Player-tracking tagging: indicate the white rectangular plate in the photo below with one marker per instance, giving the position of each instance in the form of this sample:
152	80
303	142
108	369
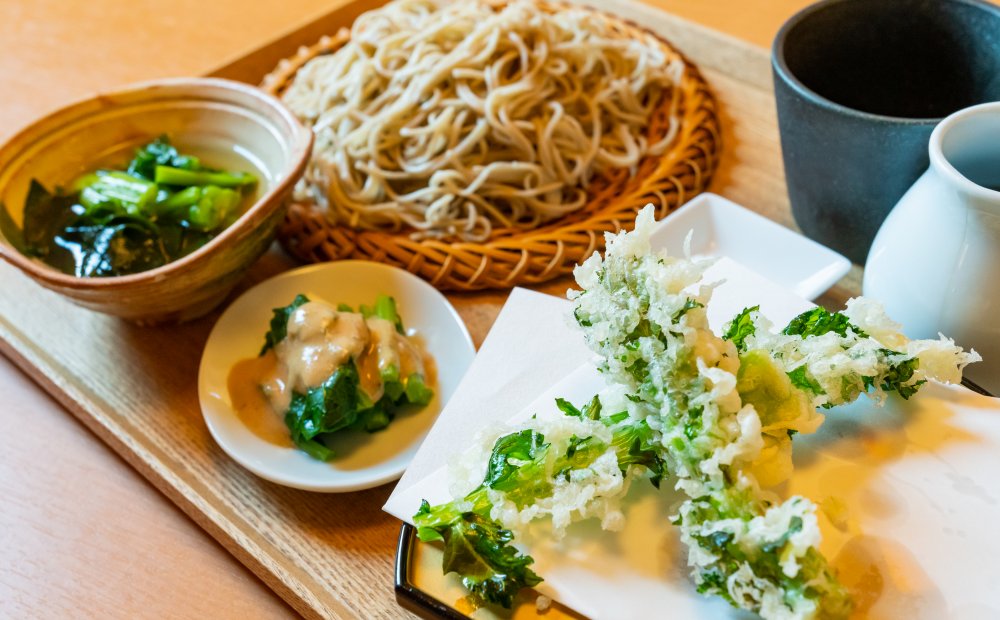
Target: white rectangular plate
721	227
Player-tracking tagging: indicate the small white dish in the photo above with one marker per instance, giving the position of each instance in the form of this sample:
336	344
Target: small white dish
372	459
723	228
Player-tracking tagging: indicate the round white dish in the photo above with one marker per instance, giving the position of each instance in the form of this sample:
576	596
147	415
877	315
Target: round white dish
364	460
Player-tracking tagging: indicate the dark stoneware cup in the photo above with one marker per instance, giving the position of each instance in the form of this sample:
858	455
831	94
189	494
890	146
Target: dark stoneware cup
860	84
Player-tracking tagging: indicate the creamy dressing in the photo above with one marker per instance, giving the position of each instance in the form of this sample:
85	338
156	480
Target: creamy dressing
256	392
319	339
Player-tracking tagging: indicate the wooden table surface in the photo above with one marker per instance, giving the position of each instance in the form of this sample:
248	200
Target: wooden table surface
82	534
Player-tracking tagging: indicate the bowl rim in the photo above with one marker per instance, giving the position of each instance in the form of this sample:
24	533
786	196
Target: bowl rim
943	164
300	139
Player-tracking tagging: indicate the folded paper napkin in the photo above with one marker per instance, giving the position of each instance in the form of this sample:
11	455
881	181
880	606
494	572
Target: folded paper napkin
901	489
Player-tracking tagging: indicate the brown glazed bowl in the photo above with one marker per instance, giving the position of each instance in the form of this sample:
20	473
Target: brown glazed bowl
228	115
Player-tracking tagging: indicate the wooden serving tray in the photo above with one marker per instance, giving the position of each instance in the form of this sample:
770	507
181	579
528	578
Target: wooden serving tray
327	555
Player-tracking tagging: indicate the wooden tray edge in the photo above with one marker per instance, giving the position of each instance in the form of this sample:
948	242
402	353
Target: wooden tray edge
261	562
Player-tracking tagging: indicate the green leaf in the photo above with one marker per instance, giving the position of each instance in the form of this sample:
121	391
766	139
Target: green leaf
109	222
177	205
11	232
428	534
713	581
575	443
424	510
804	381
509	452
315	449
394	390
479	550
168	175
567	407
127	193
279	323
45	215
122	246
717	541
741	328
179	240
615	418
97	242
159	153
794	525
214	206
590	411
689	304
635	445
325	409
899	374
819	321
374	418
519	467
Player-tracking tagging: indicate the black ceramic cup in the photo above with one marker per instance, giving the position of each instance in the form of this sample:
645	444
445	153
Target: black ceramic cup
859	85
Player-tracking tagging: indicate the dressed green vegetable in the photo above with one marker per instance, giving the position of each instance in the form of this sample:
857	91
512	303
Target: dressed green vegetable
715	416
330	369
113	222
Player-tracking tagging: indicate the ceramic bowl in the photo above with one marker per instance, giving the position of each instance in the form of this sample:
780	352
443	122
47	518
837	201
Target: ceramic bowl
229	115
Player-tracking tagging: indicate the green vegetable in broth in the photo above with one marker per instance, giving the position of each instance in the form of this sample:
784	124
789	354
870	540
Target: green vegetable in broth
159	153
113	222
166	175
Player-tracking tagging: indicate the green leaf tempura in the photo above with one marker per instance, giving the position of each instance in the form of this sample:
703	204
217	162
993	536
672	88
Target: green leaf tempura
478	549
698	409
819	321
741	328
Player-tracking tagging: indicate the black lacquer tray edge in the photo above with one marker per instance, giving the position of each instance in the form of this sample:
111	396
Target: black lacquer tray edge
408	595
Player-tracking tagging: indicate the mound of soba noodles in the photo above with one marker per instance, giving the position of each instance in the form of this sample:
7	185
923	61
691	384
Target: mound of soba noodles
452	118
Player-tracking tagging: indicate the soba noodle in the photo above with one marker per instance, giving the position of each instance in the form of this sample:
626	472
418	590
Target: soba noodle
454	118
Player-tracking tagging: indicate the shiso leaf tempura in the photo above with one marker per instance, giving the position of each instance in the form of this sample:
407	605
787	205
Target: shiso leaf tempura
713	416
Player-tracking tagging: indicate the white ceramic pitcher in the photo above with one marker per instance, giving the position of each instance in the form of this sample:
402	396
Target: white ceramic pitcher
935	262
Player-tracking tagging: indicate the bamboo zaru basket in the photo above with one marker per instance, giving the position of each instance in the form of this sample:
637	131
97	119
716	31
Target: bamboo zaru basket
512	257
